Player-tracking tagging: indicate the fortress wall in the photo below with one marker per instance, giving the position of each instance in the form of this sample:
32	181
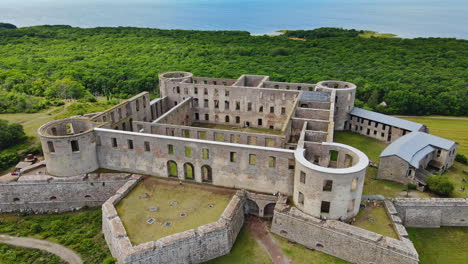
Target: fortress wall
432	212
289	86
217	107
231	136
266	175
48	194
213	81
158	106
180	114
192	246
344	241
311	113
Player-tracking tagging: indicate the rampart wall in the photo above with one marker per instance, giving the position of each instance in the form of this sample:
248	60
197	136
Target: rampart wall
432	212
180	114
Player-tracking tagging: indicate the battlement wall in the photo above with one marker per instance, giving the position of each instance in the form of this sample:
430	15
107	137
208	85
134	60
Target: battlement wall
432	212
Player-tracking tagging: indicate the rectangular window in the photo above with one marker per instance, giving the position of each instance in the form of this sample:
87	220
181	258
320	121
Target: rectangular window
205	103
283	110
188	152
325	207
205	153
327	185
207	117
197	116
291	164
252	159
114	142
195	90
170	149
202	135
219	136
235	138
354	185
226	93
186	133
237	119
205	91
260	122
74	146
216	103
439	152
272	109
50	145
249	106
252	140
233	157
271	162
351	205
260	109
226	105
147	146
302	177
300	198
130	144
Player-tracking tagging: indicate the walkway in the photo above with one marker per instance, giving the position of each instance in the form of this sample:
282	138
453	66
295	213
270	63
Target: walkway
261	234
56	249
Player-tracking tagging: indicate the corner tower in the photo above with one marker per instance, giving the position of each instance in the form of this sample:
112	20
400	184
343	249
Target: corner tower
345	93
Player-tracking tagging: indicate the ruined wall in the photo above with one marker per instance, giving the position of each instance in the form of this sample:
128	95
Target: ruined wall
255	168
432	212
180	114
192	246
344	241
158	107
44	194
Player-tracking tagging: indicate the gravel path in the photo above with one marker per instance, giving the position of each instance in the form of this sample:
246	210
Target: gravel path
56	249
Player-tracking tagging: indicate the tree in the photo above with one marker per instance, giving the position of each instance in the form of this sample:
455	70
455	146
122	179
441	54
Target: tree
440	185
10	134
7	25
462	159
66	89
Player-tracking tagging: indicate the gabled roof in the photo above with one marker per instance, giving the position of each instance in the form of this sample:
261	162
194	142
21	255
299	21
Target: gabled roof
415	145
386	119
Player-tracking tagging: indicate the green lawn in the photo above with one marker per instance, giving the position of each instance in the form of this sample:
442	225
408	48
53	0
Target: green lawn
371	147
382	224
134	211
79	231
298	254
455	175
17	255
245	251
445	245
454	129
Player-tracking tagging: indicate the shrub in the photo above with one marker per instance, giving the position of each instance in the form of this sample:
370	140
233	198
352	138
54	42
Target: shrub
440	185
109	260
280	52
411	186
10	134
8	158
462	159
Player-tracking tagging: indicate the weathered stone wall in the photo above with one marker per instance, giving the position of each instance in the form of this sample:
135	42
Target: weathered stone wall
158	107
180	114
432	212
395	169
239	166
44	194
192	246
344	241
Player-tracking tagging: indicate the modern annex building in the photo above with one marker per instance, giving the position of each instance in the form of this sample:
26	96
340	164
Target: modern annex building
192	133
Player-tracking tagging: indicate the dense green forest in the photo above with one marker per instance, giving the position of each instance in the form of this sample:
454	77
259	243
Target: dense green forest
413	76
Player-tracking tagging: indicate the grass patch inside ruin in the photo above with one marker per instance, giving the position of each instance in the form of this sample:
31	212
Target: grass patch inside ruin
299	254
445	245
185	207
240	129
375	219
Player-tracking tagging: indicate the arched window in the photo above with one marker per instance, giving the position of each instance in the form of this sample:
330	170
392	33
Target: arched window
172	169
207	174
189	173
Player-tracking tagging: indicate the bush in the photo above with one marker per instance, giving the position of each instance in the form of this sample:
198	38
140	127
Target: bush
411	186
10	134
8	158
35	150
7	25
280	52
109	260
440	185
462	159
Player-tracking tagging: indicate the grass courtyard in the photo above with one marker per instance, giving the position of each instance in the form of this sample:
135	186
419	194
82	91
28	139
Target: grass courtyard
375	219
184	206
445	245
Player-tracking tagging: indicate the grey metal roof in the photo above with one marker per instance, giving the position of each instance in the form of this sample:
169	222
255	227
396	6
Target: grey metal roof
415	145
315	96
386	119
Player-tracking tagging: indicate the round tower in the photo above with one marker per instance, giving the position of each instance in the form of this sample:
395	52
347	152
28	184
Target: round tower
69	146
345	93
329	179
168	81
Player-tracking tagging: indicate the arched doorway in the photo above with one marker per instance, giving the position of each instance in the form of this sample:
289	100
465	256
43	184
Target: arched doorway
172	169
252	208
189	173
268	211
206	174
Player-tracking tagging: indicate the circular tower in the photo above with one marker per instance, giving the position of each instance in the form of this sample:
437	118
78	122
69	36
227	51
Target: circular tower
329	179
345	93
168	80
69	146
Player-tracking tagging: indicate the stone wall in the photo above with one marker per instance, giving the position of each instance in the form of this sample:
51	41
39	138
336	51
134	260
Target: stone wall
192	246
344	241
180	114
432	212
46	194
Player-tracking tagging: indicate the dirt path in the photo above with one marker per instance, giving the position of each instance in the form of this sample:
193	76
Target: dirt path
56	249
261	234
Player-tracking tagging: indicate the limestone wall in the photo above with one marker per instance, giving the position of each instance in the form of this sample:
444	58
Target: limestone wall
180	114
432	212
158	106
44	194
344	241
192	246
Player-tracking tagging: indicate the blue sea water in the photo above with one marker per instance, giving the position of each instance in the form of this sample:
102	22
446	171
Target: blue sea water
406	18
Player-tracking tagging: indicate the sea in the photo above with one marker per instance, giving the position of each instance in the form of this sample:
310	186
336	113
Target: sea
405	18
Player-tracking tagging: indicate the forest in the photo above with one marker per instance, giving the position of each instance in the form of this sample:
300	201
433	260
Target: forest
41	65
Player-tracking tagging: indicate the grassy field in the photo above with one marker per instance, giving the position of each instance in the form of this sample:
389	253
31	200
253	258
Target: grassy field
370	33
447	245
382	224
79	231
135	211
372	148
455	175
245	251
241	129
454	129
17	255
298	254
